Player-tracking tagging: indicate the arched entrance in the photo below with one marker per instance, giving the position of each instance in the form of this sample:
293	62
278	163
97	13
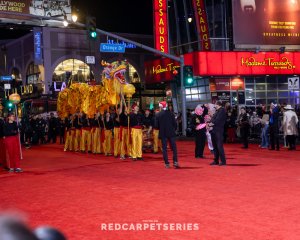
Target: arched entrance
72	70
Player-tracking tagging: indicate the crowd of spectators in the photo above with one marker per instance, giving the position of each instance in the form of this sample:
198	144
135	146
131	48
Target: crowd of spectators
256	125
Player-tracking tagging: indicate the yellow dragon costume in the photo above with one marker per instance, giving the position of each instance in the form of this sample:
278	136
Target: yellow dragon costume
81	97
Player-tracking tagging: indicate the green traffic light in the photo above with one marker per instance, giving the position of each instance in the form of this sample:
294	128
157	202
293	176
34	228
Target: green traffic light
9	104
190	80
93	34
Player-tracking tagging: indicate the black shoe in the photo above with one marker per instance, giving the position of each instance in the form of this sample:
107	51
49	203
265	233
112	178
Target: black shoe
176	166
139	158
271	148
244	147
214	163
167	165
222	164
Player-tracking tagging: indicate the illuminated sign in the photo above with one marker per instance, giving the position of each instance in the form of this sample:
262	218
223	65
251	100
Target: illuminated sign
160	70
53	8
14	6
6	78
115	48
243	63
201	22
266	22
170	67
126	45
38	53
284	63
59	86
161	25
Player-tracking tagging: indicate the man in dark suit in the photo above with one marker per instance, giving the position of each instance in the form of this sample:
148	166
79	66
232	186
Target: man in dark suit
217	123
167	126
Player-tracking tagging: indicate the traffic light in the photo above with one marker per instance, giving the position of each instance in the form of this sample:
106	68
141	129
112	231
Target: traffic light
188	76
176	76
8	105
91	27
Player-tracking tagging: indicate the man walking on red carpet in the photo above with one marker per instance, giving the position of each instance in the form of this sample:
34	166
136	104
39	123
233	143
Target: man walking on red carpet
167	132
217	123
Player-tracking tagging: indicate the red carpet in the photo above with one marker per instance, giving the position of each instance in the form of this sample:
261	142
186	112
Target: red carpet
255	197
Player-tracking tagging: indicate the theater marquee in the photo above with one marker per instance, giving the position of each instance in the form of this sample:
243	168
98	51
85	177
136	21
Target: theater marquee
161	25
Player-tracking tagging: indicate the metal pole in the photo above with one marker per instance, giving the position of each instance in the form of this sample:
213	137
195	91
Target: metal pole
183	98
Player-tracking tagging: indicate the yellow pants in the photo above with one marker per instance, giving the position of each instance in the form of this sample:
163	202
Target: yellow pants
107	142
125	146
96	144
137	143
156	141
68	145
86	140
76	140
117	142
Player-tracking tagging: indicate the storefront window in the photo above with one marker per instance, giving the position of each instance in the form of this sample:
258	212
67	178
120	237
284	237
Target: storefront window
260	87
73	70
199	93
272	87
33	74
283	94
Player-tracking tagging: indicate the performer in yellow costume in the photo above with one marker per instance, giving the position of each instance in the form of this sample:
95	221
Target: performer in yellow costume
136	124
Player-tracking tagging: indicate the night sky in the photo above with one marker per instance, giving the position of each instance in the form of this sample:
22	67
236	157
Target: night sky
120	16
134	16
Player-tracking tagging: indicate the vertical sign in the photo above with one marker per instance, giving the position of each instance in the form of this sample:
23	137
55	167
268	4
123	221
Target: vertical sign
161	25
38	53
202	25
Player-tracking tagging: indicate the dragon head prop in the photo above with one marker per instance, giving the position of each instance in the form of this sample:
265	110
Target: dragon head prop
115	71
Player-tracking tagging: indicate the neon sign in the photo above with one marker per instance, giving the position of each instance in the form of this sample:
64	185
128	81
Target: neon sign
168	68
126	45
268	62
161	25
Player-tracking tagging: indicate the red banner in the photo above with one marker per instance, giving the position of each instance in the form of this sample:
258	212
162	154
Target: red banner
161	25
243	63
202	25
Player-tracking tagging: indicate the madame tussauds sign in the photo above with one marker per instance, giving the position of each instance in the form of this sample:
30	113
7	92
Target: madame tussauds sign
283	63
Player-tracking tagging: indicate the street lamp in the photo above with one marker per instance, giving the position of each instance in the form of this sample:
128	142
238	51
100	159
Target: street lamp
74	17
65	22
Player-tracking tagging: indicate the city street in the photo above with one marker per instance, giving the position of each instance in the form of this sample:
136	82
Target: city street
254	197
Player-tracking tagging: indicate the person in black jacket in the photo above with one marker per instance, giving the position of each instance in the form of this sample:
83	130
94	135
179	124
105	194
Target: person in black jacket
2	145
12	144
274	126
199	131
52	129
244	125
167	132
217	123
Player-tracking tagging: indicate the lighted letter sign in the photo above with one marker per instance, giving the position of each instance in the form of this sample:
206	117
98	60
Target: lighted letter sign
161	25
38	54
201	22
